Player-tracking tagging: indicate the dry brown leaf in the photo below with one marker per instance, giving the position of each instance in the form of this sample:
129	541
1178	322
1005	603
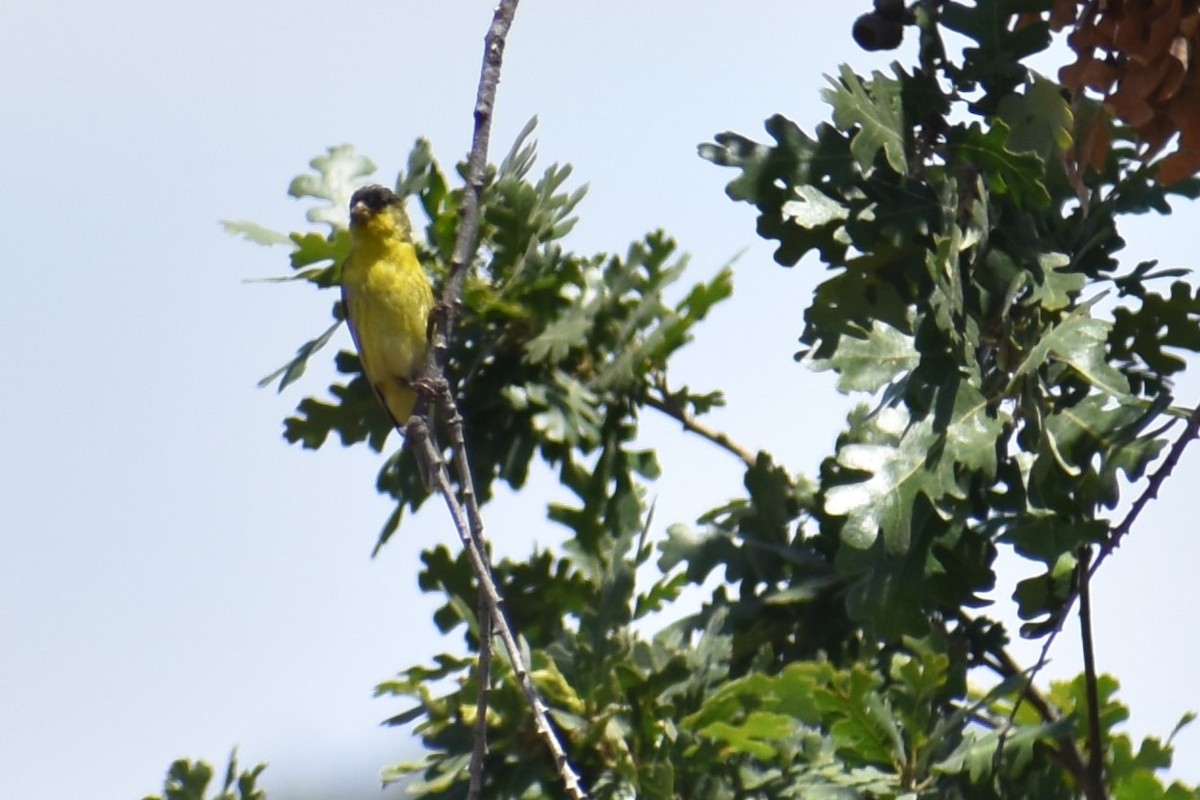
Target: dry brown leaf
1130	105
1129	37
1155	135
1189	23
1137	54
1144	81
1090	73
1063	14
1179	165
1096	142
1164	26
1175	71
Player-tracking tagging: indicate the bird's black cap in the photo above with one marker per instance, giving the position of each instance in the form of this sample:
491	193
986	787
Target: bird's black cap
374	198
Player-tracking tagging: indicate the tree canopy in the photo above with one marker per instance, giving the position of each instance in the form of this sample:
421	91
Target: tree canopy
1015	380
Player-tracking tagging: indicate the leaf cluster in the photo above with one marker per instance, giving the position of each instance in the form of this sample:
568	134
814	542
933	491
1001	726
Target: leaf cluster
1138	57
187	780
965	281
1014	379
555	349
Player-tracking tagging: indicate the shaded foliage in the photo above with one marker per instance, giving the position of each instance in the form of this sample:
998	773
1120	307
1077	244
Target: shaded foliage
843	637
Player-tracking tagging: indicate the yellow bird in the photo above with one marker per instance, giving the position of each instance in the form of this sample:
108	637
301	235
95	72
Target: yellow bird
387	298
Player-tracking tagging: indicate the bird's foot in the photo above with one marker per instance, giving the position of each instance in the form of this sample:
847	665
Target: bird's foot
430	387
441	312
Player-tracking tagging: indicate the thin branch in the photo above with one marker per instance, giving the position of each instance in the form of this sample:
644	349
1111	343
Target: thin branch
1190	432
1149	493
491	615
673	409
464	248
486	615
468	210
465	513
1095	764
1006	667
483	670
422	441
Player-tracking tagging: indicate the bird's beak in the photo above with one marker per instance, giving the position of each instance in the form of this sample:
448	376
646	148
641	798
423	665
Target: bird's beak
359	213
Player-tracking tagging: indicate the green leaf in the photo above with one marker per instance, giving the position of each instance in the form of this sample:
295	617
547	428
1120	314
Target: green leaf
294	369
704	296
189	781
1020	175
659	596
1185	720
996	63
253	232
1091	442
876	111
312	248
911	458
1047	538
812	208
791	693
861	722
1039	119
702	550
976	755
1071	696
760	735
356	415
564	412
574	327
338	173
867	364
771	175
850	304
1147	337
657	780
1081	342
1058	286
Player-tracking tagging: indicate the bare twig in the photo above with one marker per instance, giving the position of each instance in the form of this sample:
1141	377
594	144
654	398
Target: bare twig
1190	432
465	512
468	210
483	670
1006	667
1095	764
486	613
664	403
1066	752
1124	526
422	441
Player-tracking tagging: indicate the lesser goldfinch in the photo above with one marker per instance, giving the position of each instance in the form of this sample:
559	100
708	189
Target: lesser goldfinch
387	298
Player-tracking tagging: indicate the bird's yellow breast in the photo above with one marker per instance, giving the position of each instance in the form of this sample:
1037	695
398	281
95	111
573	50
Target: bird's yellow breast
388	299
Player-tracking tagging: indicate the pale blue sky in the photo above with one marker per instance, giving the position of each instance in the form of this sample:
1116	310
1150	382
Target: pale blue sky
174	578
